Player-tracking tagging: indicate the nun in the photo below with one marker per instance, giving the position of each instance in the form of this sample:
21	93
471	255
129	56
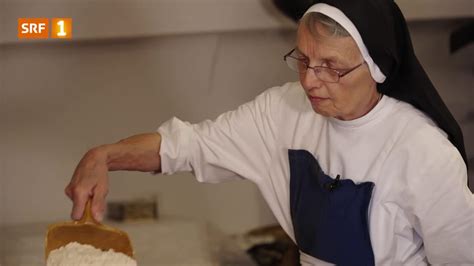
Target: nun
360	160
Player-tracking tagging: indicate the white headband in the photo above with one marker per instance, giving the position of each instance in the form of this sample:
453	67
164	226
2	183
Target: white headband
345	22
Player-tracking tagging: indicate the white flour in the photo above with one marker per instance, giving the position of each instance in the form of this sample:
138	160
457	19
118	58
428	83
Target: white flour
75	254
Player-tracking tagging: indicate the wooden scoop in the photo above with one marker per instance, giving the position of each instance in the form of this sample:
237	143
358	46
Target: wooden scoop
87	231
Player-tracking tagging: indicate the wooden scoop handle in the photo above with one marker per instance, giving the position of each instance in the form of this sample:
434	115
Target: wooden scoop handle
87	217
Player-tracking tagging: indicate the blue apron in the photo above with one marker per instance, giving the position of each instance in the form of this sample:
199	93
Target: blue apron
330	216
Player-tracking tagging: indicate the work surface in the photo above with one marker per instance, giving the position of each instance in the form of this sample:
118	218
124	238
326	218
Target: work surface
164	242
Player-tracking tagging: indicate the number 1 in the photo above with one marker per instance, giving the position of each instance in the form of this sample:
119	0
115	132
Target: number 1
61	32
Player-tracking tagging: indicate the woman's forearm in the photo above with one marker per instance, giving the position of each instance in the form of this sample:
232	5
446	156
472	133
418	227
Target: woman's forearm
135	153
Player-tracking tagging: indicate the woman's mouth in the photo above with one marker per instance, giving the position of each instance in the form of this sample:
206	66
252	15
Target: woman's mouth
316	100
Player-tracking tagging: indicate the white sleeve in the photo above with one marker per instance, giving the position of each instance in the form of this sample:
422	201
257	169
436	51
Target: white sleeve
237	144
443	207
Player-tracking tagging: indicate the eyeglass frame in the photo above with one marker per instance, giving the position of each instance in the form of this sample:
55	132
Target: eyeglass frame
340	72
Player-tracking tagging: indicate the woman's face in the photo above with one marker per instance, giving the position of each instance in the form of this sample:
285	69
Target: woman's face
355	94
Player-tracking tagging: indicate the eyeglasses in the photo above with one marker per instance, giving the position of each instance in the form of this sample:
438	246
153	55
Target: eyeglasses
325	74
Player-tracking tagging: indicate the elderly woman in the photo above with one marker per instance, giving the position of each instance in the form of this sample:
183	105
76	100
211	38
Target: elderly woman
360	161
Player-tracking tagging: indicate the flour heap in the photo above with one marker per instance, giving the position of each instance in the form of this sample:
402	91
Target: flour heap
75	254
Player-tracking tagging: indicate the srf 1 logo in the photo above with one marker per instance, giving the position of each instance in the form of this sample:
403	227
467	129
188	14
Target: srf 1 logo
39	28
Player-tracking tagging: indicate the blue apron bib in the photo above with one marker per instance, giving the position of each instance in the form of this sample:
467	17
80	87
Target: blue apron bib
330	216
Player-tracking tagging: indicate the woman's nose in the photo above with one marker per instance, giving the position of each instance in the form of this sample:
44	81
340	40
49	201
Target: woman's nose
309	79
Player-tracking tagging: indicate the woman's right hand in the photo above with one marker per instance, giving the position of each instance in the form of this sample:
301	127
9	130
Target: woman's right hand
90	180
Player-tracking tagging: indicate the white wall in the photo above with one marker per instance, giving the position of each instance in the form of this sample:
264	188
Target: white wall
58	100
61	99
139	18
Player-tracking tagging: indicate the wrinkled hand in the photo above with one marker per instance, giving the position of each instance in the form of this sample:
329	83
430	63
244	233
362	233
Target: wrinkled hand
90	180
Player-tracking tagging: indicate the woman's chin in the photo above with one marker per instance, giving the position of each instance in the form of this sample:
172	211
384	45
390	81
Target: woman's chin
322	111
